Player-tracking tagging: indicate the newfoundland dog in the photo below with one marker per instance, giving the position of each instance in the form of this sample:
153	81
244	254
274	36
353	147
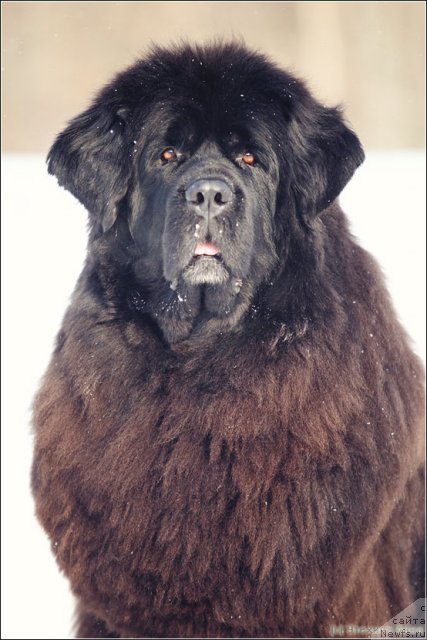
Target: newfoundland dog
229	435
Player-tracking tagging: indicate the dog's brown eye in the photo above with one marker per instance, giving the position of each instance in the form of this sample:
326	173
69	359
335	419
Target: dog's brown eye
248	157
169	154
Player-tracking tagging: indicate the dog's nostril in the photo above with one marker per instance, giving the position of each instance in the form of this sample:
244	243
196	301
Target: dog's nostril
218	198
200	198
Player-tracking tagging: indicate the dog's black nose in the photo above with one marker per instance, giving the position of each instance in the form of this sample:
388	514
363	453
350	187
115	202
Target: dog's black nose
209	195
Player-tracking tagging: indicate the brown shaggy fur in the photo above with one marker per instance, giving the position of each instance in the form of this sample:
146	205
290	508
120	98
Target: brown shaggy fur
261	482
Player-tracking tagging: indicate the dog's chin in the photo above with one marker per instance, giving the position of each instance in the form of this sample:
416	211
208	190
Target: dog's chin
206	270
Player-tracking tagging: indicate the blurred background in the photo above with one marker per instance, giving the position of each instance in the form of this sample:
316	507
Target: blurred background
366	56
369	56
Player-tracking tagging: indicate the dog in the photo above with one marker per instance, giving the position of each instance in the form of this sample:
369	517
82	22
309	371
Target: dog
228	439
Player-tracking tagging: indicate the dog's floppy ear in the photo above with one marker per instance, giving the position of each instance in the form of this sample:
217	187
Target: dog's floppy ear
323	152
91	159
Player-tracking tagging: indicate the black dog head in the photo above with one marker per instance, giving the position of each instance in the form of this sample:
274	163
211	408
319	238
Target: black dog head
203	153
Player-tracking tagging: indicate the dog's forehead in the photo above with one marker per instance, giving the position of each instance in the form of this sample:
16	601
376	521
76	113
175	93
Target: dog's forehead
192	126
187	116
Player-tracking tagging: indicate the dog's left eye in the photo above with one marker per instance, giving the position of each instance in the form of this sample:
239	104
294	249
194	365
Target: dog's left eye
248	158
169	154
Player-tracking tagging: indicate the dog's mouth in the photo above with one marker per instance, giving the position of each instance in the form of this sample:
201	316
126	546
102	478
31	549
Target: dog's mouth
206	266
206	249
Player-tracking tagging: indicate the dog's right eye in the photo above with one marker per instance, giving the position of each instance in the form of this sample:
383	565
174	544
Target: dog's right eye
248	158
168	154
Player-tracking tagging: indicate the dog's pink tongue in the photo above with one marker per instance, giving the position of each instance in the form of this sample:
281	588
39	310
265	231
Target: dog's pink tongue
206	249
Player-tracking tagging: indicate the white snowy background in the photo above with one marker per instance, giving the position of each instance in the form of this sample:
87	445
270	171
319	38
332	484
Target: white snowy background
43	242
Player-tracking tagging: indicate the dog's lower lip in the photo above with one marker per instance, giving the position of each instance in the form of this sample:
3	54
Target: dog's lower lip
205	256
